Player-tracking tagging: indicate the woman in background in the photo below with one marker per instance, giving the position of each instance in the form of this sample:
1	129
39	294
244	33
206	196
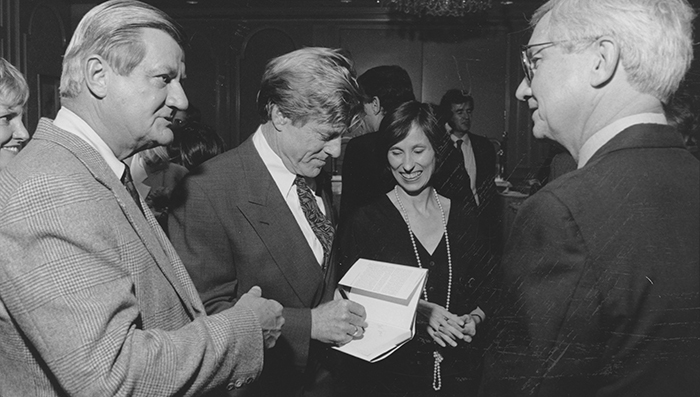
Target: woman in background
413	225
194	144
155	178
13	97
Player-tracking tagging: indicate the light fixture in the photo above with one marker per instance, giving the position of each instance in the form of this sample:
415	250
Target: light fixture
440	8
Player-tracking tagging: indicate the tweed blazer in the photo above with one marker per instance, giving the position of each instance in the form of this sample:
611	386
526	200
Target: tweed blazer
603	271
233	230
94	301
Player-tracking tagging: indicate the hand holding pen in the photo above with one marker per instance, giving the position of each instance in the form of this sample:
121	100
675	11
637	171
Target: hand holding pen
359	330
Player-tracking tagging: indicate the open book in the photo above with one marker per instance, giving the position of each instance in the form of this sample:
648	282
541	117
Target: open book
390	294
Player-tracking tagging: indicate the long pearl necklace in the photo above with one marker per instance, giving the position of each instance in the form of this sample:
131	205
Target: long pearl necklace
437	378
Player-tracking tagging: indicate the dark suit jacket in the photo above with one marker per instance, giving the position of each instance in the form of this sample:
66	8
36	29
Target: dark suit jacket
452	180
365	174
94	301
603	272
233	230
485	157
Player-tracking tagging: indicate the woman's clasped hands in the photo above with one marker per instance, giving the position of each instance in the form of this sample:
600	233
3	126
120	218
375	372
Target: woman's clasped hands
444	327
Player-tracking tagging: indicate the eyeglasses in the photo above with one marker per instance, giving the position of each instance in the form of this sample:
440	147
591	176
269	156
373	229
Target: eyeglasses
526	54
526	57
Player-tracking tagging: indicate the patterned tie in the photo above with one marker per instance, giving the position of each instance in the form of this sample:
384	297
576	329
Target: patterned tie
322	227
129	185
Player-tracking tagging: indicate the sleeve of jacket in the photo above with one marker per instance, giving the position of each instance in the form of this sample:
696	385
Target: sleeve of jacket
67	280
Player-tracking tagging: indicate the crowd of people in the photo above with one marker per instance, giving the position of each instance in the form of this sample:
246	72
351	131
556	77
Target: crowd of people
140	257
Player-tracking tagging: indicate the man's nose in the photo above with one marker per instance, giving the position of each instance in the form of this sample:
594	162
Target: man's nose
524	91
176	97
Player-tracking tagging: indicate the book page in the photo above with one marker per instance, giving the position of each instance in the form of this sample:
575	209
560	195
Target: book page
383	310
392	280
377	339
389	293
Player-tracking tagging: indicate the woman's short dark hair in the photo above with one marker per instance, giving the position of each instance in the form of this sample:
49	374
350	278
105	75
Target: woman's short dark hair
396	125
196	143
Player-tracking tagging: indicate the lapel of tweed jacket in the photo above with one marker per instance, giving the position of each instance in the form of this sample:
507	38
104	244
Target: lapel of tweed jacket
193	302
146	228
270	216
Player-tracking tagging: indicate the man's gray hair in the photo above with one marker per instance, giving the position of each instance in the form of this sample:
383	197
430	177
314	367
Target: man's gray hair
113	31
655	37
311	84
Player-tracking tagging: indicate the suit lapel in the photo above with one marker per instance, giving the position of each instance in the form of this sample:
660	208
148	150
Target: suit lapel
269	215
478	150
324	184
146	228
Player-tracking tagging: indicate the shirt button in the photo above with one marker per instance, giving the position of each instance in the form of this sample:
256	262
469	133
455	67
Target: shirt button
239	383
230	386
248	381
432	264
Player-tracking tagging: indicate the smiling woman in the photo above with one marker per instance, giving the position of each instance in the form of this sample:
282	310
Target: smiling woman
13	96
416	226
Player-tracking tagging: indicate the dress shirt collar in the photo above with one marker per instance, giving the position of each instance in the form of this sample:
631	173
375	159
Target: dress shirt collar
280	174
600	138
465	138
71	122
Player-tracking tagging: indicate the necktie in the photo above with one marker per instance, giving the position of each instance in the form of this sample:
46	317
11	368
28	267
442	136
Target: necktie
129	185
459	143
469	164
322	227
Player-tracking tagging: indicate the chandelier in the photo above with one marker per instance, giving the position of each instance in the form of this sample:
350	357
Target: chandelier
440	8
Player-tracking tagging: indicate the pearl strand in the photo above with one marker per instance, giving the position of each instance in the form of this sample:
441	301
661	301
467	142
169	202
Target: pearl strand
437	378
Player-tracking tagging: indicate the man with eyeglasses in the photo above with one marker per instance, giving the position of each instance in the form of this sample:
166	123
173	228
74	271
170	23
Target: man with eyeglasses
602	269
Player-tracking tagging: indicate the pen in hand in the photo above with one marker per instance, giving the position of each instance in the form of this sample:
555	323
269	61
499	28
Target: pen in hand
357	333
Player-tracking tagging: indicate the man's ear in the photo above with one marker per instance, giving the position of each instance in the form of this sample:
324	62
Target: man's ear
376	106
96	71
607	58
278	119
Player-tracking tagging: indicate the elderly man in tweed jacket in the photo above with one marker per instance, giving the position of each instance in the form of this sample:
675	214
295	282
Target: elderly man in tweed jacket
94	301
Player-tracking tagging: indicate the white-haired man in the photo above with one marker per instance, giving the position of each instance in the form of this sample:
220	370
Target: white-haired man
602	267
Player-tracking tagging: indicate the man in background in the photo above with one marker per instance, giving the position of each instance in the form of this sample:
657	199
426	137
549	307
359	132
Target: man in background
257	215
473	155
364	173
478	155
602	268
94	301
